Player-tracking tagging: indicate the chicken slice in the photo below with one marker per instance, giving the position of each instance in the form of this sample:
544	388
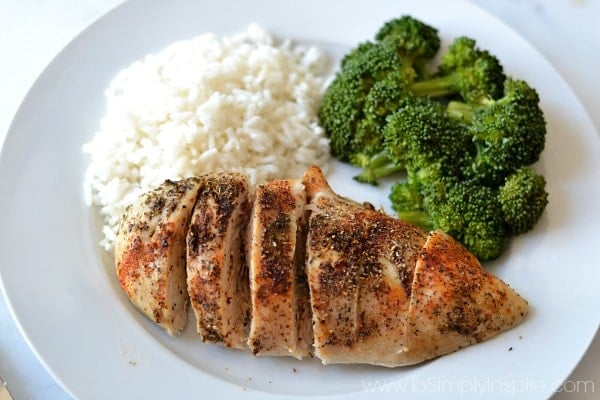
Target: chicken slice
386	293
455	302
279	292
217	275
150	252
359	267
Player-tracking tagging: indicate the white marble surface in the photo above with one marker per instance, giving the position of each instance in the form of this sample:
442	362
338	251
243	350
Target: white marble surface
32	32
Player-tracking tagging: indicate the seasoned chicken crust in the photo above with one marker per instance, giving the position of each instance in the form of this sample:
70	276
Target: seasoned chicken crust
280	311
217	275
150	252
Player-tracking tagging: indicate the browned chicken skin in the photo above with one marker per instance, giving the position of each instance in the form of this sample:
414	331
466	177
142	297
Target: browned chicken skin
311	267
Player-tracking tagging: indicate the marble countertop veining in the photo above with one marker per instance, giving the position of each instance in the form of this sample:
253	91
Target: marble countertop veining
32	32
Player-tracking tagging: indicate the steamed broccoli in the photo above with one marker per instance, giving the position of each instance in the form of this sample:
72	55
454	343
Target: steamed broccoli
342	105
416	42
523	198
420	133
464	137
382	99
371	79
508	133
481	217
417	134
468	212
357	53
466	71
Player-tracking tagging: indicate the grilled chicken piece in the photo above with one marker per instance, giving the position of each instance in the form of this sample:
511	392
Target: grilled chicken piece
150	252
217	275
455	302
386	293
359	267
279	292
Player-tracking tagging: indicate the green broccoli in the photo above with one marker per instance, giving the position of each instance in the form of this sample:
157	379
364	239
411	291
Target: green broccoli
342	105
416	42
466	71
464	137
371	80
417	134
382	99
523	198
480	217
508	133
468	212
357	53
483	231
421	132
423	186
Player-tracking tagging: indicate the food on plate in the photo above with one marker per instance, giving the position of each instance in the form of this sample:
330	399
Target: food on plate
150	255
385	292
279	291
402	50
216	269
459	131
380	291
246	103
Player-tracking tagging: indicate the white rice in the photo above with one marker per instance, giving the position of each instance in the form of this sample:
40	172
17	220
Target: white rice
243	103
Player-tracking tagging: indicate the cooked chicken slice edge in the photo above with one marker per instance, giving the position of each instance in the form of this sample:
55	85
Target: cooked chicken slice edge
280	323
150	252
455	302
217	275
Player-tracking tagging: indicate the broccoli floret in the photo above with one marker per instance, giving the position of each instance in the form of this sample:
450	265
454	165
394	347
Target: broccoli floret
468	212
416	42
417	134
423	186
407	201
508	133
382	100
483	231
342	105
523	198
462	52
466	71
371	81
385	97
357	53
420	133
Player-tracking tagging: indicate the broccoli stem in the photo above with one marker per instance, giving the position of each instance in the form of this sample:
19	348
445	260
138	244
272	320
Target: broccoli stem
378	167
460	111
434	87
416	217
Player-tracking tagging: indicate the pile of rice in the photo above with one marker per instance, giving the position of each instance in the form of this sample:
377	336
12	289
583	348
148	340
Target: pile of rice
245	103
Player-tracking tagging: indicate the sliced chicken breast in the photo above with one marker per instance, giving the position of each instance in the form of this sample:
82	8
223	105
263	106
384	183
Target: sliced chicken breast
386	293
310	267
279	293
150	252
217	275
455	302
359	267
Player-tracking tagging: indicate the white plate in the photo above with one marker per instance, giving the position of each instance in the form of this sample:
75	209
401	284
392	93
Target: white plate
60	285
